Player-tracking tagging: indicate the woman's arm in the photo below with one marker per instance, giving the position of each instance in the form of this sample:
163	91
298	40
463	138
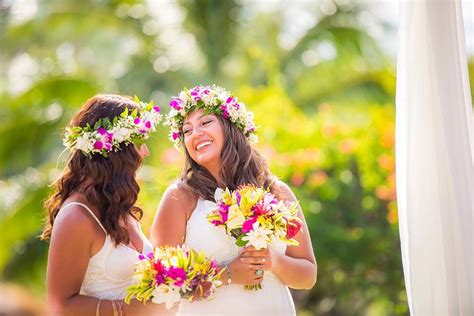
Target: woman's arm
169	224
75	237
72	239
297	268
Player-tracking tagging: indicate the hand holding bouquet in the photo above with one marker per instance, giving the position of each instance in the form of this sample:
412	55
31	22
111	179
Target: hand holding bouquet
170	274
255	217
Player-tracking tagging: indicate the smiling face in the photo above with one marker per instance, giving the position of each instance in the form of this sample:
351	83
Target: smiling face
204	139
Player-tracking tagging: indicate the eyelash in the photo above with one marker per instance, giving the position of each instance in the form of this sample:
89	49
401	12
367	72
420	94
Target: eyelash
204	123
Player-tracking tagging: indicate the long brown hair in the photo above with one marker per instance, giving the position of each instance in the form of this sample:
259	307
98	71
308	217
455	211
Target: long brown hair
108	183
240	164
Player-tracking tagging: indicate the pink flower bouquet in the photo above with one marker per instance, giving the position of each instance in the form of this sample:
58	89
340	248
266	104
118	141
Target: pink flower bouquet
255	217
170	274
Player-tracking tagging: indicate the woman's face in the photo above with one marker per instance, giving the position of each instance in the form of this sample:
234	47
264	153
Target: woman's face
203	138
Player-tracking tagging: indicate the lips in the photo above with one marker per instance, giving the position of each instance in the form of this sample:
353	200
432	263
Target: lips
203	144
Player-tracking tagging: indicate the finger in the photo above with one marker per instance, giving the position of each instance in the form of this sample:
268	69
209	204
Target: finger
255	267
249	248
255	253
254	260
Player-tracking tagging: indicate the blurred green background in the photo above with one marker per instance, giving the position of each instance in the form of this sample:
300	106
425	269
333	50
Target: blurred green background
319	75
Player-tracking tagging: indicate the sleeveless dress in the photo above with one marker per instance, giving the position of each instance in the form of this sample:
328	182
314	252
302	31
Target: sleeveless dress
273	299
110	271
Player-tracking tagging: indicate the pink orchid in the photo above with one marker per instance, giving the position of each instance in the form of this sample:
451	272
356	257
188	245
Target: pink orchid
176	104
98	145
248	224
176	135
225	113
177	274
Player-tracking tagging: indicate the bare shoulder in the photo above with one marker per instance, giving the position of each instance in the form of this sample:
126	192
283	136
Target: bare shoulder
75	220
169	224
176	196
282	190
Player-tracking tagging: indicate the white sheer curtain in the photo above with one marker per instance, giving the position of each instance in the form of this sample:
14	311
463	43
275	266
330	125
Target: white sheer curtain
434	149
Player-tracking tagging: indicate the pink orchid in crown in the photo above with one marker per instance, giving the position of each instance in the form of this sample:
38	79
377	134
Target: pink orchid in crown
104	139
176	104
176	135
213	99
107	135
143	125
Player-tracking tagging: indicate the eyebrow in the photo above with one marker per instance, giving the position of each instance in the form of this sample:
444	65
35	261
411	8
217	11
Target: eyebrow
201	116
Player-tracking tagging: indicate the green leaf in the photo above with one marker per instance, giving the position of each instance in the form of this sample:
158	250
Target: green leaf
240	242
124	113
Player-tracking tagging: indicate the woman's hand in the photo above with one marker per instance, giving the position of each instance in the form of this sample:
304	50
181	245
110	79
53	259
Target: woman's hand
263	259
243	272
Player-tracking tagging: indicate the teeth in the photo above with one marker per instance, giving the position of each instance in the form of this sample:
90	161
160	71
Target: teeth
204	144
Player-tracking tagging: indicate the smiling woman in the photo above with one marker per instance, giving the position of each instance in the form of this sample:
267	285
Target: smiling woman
203	138
216	131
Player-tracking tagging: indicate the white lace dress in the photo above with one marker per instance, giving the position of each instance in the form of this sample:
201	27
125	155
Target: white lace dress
273	299
110	271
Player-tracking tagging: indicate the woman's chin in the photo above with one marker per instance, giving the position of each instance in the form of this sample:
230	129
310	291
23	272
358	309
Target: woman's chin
206	159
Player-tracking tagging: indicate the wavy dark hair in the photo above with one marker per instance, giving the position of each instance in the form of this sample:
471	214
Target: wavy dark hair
107	183
241	164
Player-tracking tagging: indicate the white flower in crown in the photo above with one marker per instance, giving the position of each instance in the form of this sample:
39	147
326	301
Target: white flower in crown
213	99
108	135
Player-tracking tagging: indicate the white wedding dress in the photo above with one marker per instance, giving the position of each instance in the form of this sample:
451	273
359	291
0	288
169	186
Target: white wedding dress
273	299
110	271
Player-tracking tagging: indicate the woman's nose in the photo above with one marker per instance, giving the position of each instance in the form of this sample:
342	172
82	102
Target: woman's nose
144	150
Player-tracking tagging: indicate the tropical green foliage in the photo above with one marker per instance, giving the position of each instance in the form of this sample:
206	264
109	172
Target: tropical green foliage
323	102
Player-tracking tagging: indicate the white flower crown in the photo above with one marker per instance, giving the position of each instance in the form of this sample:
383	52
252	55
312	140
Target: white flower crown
107	135
213	99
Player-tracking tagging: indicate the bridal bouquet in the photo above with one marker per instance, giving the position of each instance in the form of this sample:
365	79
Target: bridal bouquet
170	274
255	217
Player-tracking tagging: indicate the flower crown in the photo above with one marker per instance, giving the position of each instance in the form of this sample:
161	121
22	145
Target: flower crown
213	99
107	135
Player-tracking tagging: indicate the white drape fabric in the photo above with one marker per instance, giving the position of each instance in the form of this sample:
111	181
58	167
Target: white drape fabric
434	156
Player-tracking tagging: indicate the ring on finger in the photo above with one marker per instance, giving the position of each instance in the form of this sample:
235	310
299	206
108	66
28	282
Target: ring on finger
259	272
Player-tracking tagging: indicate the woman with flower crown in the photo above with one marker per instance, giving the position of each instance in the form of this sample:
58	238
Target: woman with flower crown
215	132
92	220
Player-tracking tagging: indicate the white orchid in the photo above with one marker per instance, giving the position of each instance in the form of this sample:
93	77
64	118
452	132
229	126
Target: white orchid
167	294
259	236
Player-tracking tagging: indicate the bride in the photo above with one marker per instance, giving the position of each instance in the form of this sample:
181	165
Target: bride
216	133
92	221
